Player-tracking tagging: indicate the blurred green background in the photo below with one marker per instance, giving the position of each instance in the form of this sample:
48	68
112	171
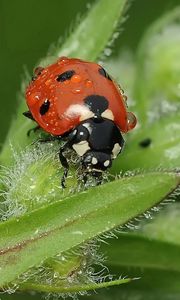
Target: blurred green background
27	28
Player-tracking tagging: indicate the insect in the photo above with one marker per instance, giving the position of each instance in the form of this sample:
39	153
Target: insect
79	102
145	143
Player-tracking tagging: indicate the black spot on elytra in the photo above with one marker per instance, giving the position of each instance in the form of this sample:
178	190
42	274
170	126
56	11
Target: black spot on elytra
97	104
65	76
145	143
103	72
44	107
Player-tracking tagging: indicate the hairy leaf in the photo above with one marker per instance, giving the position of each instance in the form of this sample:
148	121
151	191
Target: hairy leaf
34	237
86	42
153	146
71	289
157	91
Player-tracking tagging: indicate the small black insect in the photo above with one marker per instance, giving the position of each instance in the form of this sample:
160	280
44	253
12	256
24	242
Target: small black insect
145	143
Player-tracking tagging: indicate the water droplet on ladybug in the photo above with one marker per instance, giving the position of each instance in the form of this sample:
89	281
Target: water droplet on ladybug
122	91
131	120
51	121
76	78
66	82
48	82
38	71
76	91
125	98
88	83
43	76
33	98
62	60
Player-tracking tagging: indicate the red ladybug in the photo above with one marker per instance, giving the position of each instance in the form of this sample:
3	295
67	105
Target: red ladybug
79	102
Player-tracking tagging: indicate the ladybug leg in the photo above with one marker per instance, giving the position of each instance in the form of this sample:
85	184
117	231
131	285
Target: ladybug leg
62	158
98	176
85	178
33	130
99	179
49	139
65	165
28	115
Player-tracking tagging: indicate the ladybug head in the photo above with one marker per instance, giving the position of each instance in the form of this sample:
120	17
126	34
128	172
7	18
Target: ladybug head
95	161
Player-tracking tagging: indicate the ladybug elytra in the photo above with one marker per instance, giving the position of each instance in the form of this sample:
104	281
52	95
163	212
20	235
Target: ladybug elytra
78	101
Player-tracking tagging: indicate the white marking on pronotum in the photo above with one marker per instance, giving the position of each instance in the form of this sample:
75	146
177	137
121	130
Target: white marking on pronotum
87	114
81	148
116	150
108	114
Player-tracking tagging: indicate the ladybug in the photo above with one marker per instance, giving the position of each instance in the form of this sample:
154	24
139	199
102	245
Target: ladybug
79	102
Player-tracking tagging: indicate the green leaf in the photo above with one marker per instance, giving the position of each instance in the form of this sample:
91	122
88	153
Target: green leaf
165	227
151	254
72	289
163	151
17	138
58	227
85	42
152	285
157	85
34	180
123	68
147	253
